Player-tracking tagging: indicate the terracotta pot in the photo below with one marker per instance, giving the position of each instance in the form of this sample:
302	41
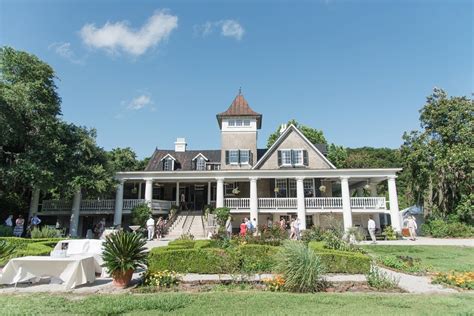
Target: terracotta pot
122	279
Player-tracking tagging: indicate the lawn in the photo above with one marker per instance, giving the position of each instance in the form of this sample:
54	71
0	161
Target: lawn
239	303
441	258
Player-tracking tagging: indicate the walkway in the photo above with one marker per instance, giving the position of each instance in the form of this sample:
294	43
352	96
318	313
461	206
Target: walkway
425	241
417	284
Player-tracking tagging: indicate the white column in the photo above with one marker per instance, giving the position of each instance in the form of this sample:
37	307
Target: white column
253	199
148	191
139	190
76	208
301	210
34	203
177	194
220	192
346	203
376	217
392	196
118	204
209	191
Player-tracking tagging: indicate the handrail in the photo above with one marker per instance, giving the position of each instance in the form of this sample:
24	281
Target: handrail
170	222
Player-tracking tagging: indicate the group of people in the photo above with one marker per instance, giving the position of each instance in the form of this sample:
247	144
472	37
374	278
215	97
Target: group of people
158	227
411	224
19	226
247	227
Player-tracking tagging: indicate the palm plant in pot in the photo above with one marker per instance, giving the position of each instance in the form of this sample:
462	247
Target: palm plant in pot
123	253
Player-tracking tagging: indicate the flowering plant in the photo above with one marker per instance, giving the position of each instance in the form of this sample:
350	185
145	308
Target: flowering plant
275	284
163	279
464	280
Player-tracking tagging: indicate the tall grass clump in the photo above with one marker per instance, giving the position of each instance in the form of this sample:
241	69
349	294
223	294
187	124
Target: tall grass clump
381	280
44	232
300	267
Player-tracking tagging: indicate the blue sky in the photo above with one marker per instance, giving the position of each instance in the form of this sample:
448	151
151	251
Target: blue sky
145	72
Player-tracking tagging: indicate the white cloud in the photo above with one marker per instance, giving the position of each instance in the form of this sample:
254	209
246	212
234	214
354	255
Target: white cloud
117	36
64	50
231	28
139	102
228	28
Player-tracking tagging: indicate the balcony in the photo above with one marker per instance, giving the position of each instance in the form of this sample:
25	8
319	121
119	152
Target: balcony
100	206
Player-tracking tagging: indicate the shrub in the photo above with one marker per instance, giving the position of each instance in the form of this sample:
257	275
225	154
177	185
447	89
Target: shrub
205	244
5	249
186	237
389	233
24	247
403	263
6	231
257	258
315	233
357	232
439	228
222	213
140	214
300	267
162	279
210	260
337	261
44	232
181	243
381	280
333	241
124	251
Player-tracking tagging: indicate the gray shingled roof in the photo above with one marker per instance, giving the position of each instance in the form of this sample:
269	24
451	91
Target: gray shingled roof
183	159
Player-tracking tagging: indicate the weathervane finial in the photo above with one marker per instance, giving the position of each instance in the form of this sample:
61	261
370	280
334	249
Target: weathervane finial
240	90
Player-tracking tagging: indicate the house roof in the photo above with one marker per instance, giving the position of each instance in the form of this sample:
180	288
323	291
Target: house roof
184	160
320	149
240	107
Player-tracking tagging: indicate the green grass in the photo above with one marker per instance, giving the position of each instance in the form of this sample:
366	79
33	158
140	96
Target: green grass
441	258
239	303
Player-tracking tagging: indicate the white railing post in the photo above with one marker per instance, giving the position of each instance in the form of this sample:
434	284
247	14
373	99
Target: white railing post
301	210
253	200
220	192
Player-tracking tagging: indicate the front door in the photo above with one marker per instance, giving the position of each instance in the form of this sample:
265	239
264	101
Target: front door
199	196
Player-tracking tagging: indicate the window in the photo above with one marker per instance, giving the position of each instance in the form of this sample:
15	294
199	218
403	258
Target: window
200	164
297	157
292	188
292	157
213	166
168	164
233	156
244	156
246	122
280	187
309	188
229	188
231	122
238	122
286	157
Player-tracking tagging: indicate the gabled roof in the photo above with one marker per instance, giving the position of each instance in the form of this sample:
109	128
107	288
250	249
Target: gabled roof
240	107
184	160
280	139
201	155
168	156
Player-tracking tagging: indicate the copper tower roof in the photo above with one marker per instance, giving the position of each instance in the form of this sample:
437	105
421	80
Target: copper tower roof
240	107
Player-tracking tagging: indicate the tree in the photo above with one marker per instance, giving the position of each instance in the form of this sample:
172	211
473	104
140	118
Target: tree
123	159
439	157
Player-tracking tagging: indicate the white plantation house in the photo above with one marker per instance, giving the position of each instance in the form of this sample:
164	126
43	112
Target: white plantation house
291	178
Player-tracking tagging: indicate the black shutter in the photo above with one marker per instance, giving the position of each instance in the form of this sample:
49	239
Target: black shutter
279	158
163	164
238	160
250	158
226	157
305	158
293	157
194	164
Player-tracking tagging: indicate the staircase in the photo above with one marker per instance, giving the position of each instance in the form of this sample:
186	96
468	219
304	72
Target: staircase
187	223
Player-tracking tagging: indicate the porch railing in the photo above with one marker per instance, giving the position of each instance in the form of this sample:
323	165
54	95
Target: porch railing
368	202
56	205
277	203
323	203
96	205
160	205
237	203
128	204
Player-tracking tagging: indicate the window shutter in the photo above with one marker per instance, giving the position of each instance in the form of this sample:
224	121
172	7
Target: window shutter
293	157
279	158
250	158
226	157
238	160
305	158
163	164
194	164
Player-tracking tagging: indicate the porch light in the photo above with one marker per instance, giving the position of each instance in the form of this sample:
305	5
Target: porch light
236	191
322	188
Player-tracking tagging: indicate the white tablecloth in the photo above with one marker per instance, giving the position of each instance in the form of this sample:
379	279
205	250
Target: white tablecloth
73	271
92	247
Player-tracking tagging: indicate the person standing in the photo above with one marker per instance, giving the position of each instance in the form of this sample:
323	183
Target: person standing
297	228
269	222
35	221
412	226
254	227
19	225
282	223
228	227
9	221
371	227
150	225
182	203
243	228
159	227
292	229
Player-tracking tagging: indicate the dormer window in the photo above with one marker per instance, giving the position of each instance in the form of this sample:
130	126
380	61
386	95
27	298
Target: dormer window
246	122
233	157
236	156
168	163
292	157
200	164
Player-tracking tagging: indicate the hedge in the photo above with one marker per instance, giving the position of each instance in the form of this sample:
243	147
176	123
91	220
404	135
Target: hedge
337	261
257	258
189	244
30	247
